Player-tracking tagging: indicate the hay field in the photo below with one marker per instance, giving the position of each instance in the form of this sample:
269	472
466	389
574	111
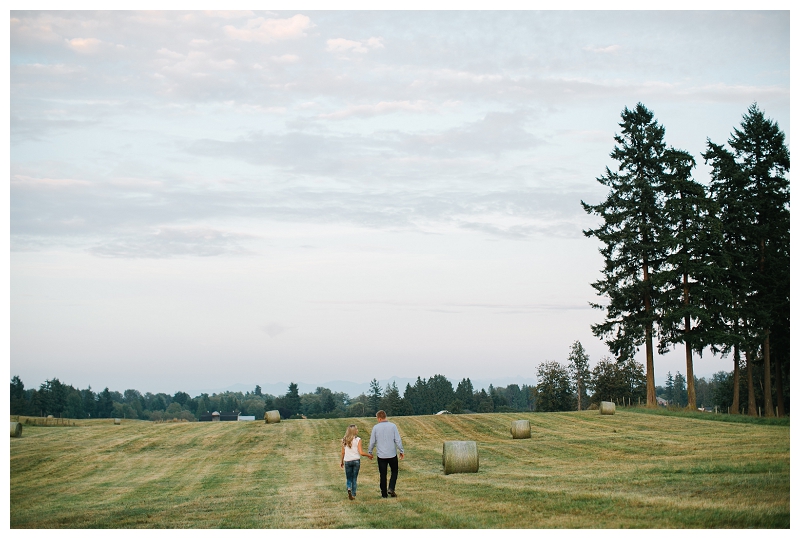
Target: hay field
578	470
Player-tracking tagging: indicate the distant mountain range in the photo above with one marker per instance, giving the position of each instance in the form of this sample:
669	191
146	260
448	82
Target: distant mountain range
354	389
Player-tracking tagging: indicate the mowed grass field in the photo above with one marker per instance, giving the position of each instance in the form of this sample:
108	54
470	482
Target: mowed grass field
579	470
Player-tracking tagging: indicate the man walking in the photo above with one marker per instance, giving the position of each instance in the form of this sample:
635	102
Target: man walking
387	438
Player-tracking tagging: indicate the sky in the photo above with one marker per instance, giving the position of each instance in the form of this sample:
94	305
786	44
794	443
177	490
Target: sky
200	199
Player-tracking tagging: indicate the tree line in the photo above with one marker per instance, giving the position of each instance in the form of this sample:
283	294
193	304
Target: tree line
423	397
705	267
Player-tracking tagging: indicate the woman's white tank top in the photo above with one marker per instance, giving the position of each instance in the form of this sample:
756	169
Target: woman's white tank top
351	453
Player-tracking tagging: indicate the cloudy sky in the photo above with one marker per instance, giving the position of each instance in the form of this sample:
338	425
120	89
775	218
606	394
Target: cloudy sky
204	198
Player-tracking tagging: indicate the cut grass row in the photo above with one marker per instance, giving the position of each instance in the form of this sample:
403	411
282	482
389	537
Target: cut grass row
579	470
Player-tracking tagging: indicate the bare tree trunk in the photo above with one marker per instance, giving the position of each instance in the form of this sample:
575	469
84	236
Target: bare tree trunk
687	327
651	381
779	386
751	394
769	410
735	405
648	341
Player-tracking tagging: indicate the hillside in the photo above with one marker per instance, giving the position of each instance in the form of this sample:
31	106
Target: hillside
579	470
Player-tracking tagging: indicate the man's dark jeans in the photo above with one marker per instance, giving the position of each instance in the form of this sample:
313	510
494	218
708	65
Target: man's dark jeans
382	464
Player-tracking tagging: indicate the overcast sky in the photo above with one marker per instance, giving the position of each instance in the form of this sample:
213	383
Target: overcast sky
199	199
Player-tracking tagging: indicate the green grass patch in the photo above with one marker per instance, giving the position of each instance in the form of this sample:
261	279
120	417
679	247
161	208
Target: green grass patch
635	469
709	416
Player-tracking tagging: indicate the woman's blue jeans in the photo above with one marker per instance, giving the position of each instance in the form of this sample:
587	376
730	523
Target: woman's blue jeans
351	468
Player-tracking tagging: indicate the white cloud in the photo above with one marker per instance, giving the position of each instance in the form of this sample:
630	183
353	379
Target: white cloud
261	30
84	45
384	107
285	59
347	45
610	48
27	181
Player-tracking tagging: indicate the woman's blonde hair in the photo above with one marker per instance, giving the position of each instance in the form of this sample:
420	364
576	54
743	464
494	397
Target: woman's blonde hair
349	435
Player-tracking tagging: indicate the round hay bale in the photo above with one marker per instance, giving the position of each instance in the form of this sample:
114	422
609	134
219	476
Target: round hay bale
521	429
460	457
607	408
273	416
50	417
117	421
16	429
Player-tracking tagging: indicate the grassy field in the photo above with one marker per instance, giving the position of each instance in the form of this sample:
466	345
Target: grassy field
579	470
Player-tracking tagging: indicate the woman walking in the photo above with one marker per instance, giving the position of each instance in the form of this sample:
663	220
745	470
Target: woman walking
351	458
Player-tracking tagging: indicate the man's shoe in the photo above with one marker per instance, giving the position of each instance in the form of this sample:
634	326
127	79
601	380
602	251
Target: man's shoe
350	494
392	494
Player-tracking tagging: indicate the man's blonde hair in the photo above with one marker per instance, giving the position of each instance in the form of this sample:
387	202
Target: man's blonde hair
381	414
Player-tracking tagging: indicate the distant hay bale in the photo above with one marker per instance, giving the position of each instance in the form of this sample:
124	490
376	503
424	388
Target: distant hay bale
593	406
50	417
607	408
521	429
273	416
117	421
16	429
460	457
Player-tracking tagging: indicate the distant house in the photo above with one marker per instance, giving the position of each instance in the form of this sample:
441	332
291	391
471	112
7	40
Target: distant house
662	402
220	416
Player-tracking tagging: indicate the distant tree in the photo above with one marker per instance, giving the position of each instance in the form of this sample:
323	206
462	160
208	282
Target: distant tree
89	402
441	392
257	391
618	381
19	404
669	388
181	398
464	393
484	402
74	407
374	396
105	405
292	400
419	397
579	371
553	390
702	392
203	405
679	390
390	402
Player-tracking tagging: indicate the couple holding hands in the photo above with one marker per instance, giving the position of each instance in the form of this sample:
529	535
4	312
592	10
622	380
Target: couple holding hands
386	436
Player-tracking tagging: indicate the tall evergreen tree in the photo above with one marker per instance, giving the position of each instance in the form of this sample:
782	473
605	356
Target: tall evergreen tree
692	276
752	180
632	233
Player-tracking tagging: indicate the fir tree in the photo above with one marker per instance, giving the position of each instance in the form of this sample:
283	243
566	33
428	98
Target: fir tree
692	277
632	233
752	188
